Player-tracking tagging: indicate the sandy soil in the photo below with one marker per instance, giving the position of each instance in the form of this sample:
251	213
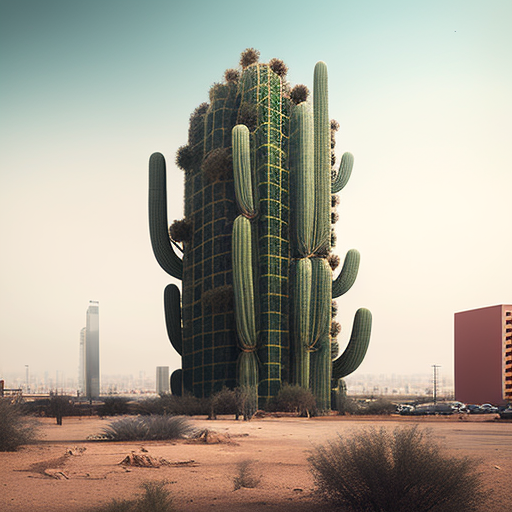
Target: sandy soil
45	477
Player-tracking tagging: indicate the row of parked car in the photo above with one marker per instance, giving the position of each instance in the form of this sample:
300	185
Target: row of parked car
505	412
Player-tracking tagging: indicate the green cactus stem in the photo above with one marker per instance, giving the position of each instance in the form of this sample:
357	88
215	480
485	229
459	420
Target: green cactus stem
322	159
172	307
347	162
356	349
242	171
243	286
348	274
302	180
158	225
302	279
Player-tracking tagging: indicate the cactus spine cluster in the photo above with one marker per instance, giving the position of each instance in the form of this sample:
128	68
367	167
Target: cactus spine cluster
257	284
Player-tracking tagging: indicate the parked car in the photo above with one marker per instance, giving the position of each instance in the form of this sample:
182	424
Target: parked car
506	414
474	409
489	409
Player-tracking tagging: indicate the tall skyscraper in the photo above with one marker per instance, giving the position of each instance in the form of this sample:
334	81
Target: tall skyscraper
162	379
483	355
91	351
81	363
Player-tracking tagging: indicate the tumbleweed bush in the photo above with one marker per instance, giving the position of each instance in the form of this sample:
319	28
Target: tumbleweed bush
398	471
148	428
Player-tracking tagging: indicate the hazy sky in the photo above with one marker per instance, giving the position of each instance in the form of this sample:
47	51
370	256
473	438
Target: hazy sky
89	89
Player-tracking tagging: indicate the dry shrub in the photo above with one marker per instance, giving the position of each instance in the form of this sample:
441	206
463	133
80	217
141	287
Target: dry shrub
278	67
218	165
399	471
246	476
249	56
334	261
335	329
185	158
335	217
232	76
15	428
248	115
186	405
114	406
335	200
181	230
147	428
220	298
299	94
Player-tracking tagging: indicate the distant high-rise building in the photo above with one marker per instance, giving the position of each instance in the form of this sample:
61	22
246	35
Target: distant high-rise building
483	355
162	379
91	351
81	363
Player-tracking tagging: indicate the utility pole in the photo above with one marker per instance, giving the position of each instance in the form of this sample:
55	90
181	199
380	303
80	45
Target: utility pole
26	378
435	367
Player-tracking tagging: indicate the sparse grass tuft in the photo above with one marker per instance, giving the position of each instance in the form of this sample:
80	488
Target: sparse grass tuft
246	476
15	428
148	428
399	471
155	498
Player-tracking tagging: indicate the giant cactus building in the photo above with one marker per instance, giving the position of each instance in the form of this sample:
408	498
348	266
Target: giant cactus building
256	308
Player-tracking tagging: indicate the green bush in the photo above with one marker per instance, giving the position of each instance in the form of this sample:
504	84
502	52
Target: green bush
294	398
15	428
399	471
156	498
148	428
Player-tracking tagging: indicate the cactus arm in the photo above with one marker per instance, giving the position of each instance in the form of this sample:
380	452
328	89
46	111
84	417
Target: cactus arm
242	170
322	158
158	226
348	274
302	179
243	286
347	162
177	382
356	349
172	307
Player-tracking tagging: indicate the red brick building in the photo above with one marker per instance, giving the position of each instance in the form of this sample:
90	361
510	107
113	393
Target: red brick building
483	355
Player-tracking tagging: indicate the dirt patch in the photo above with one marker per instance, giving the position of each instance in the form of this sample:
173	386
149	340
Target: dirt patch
92	474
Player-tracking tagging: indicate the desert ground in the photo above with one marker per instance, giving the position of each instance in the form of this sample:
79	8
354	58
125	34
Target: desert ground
64	471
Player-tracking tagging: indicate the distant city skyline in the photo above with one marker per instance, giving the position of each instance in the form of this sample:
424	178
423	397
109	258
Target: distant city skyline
89	90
